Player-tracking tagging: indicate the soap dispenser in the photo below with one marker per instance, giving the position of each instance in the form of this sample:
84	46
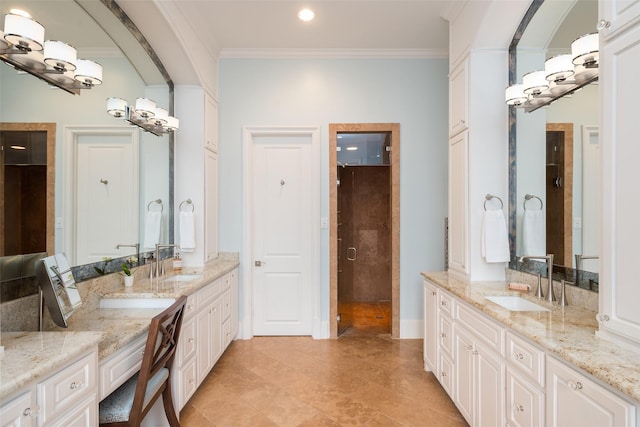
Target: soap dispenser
177	263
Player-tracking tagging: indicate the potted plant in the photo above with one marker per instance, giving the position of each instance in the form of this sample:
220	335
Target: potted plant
126	271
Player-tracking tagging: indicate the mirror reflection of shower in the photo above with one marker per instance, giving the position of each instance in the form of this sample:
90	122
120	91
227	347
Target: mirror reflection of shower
364	235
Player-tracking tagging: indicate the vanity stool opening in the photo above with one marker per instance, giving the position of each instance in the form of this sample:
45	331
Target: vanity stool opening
128	405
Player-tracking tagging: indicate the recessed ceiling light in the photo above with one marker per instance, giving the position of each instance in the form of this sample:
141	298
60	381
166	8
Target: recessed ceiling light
352	148
306	15
18	147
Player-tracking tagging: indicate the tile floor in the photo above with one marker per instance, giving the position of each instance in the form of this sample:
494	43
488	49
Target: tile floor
362	378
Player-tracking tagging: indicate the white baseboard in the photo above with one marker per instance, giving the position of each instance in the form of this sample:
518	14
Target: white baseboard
321	330
411	329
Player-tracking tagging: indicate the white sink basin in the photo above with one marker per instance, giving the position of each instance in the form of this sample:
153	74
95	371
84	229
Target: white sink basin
136	302
516	303
183	278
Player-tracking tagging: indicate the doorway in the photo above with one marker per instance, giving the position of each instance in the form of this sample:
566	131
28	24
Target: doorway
559	192
364	235
27	195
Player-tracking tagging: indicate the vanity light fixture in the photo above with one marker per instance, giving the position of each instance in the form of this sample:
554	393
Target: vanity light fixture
144	114
562	75
22	46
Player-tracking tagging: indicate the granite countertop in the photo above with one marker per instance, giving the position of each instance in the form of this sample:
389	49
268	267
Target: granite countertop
567	332
31	355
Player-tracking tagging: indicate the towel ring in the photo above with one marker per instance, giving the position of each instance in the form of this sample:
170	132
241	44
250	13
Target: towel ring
189	202
158	201
528	197
489	197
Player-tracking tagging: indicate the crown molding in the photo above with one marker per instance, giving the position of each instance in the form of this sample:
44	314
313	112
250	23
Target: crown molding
335	53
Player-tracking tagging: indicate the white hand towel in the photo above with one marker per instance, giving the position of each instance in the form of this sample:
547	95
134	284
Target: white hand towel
534	234
494	239
152	225
187	232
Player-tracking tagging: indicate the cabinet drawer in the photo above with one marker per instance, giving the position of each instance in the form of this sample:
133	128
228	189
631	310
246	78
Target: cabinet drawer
445	376
525	402
190	307
116	370
446	303
486	330
187	382
525	357
226	303
446	335
187	347
208	293
64	389
17	412
84	414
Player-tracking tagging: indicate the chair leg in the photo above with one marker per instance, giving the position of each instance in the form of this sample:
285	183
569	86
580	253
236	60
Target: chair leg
169	410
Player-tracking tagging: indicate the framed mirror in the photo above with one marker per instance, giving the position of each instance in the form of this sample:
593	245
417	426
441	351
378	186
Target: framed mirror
105	176
554	152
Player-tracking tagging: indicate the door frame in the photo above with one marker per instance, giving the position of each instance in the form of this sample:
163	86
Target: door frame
394	129
249	133
71	134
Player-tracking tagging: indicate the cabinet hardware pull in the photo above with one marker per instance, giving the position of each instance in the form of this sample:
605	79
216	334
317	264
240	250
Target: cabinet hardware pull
469	348
474	352
575	386
443	303
75	386
444	374
518	408
434	293
190	340
518	356
31	411
602	24
443	334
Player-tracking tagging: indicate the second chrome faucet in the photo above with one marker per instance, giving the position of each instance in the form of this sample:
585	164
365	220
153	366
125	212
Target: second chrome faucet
550	296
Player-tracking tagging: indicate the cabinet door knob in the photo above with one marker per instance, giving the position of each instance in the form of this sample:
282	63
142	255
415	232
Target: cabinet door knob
444	374
518	408
434	293
75	386
32	411
518	356
443	334
575	385
602	24
443	303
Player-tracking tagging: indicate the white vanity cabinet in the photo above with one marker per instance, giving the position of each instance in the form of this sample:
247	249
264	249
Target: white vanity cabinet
458	203
431	329
619	60
575	400
67	397
211	204
617	16
211	123
459	98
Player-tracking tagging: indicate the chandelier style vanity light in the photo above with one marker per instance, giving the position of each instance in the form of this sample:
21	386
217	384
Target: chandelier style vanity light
22	46
143	114
562	75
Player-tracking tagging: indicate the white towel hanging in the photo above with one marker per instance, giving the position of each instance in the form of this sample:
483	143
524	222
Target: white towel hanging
152	225
494	238
187	232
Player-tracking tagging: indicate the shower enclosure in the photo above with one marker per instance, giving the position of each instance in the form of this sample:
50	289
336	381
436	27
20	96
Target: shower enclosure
364	231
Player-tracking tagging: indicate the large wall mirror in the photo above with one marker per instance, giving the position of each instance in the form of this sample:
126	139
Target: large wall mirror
555	152
106	176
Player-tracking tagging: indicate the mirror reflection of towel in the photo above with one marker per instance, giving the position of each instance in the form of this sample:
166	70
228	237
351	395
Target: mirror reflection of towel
152	229
534	235
494	239
187	232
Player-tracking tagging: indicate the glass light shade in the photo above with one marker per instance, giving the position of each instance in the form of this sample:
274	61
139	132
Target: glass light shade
116	106
160	117
60	55
3	43
172	124
585	49
88	72
145	107
559	68
23	32
534	82
514	95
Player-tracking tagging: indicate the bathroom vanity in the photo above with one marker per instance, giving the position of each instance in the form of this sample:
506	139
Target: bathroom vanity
519	361
103	346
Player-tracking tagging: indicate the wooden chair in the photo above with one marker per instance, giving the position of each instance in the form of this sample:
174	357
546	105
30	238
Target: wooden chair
129	403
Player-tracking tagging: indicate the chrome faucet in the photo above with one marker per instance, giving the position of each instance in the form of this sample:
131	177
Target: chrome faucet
159	263
580	257
549	259
132	245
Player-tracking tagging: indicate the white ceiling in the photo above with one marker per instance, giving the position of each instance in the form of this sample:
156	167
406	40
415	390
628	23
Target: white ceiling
382	25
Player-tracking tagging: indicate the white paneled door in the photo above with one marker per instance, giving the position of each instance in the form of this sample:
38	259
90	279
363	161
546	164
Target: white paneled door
283	224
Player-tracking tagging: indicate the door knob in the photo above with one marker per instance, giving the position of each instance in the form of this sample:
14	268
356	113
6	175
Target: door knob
259	263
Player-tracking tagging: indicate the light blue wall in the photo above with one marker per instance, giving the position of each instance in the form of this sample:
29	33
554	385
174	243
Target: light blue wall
412	92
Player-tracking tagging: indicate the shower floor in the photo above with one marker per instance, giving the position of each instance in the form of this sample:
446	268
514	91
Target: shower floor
370	317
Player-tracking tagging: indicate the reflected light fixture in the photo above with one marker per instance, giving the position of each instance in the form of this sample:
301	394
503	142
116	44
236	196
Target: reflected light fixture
306	15
22	46
143	114
562	75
